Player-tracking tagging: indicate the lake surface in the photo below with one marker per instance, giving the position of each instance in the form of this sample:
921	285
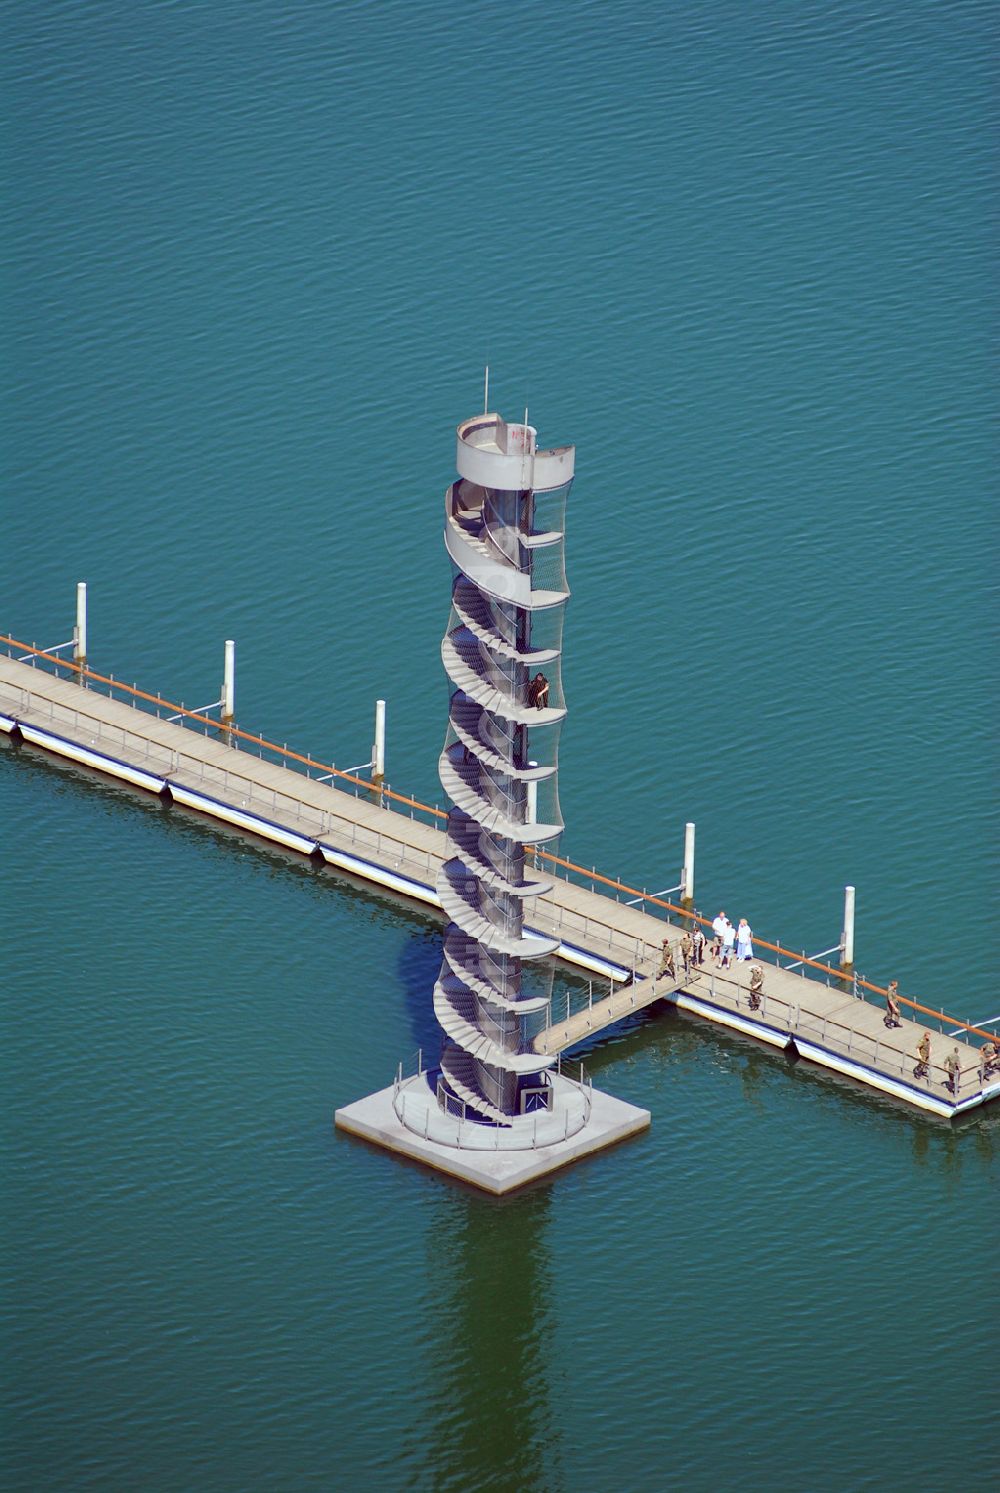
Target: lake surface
254	262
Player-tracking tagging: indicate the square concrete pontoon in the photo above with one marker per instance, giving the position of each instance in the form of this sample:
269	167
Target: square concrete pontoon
611	1120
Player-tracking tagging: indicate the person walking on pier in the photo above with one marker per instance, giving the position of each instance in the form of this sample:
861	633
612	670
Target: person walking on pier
756	986
667	966
744	941
718	928
953	1068
923	1056
686	946
698	944
891	1017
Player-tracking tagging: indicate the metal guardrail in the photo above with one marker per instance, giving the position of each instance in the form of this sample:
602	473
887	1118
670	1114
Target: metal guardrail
791	1017
419	1110
254	797
879	1053
299	815
232	734
388	798
632	953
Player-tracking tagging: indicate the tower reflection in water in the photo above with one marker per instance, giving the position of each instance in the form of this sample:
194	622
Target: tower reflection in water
491	1363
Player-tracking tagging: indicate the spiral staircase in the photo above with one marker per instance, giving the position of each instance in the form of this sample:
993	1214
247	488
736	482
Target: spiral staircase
501	654
493	1111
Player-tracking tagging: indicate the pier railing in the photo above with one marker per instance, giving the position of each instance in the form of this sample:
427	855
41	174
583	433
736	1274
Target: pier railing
883	1053
434	1114
388	798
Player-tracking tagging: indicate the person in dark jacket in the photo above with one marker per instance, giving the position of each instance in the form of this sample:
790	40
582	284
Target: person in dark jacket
538	692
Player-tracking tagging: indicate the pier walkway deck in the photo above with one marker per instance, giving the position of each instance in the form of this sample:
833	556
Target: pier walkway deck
385	838
794	1012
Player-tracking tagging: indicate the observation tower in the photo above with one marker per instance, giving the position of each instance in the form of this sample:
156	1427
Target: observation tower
493	1110
504	526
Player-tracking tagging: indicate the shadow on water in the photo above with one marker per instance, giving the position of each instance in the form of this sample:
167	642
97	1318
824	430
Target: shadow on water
491	1360
417	969
753	1076
944	1147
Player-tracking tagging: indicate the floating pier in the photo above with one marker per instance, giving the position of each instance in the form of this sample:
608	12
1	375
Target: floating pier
605	927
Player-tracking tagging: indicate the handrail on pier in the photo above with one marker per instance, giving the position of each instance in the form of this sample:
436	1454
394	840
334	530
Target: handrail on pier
389	797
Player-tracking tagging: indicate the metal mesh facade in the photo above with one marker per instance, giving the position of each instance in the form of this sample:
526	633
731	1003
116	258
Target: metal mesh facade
504	534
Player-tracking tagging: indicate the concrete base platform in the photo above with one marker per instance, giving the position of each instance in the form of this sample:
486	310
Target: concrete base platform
498	1172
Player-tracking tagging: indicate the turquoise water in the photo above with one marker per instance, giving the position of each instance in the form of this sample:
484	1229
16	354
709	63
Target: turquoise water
255	259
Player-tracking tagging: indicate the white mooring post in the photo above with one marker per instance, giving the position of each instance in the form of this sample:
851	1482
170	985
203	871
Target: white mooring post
378	747
847	937
80	631
687	874
229	684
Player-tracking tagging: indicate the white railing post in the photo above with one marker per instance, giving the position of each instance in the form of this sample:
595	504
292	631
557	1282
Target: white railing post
229	684
687	874
531	813
847	937
378	748
80	631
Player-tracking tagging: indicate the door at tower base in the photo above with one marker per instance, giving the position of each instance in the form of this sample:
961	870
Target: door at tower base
494	1169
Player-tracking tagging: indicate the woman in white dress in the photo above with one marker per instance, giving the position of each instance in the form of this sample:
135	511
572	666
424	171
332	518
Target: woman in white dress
744	940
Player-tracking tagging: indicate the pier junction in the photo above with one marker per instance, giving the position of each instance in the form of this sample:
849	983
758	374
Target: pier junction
605	927
496	1106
